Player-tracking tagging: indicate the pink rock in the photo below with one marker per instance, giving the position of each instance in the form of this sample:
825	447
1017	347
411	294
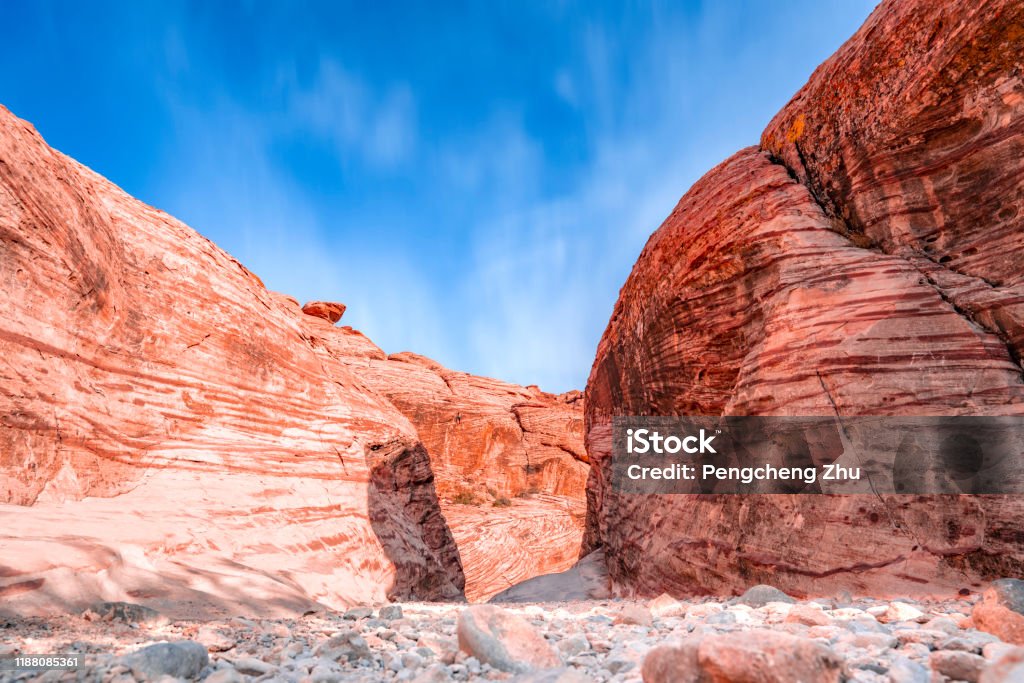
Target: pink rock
674	663
1001	611
171	434
957	665
761	656
634	614
488	441
807	615
504	640
1008	668
666	606
757	656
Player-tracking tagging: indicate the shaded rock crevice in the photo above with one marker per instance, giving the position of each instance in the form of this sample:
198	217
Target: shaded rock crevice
507	482
913	256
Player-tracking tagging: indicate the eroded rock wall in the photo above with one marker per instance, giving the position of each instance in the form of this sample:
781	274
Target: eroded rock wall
509	462
169	431
865	260
174	433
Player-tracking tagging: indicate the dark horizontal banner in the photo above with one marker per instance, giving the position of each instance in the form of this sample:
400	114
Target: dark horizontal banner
874	455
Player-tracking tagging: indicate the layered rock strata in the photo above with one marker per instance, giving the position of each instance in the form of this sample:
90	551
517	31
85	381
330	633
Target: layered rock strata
509	463
866	259
173	433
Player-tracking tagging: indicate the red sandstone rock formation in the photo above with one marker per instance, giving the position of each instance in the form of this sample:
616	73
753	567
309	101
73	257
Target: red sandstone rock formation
175	434
509	463
328	310
866	260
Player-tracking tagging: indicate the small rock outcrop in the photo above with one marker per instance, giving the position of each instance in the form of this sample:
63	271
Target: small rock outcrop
866	259
328	310
587	579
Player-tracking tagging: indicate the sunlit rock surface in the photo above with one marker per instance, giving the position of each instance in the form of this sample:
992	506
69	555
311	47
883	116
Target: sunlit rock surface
173	433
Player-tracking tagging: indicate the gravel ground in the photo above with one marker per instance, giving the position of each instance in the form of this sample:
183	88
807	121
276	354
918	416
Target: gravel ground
868	640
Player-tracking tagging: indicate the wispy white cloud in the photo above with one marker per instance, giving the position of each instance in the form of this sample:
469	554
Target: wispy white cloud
565	87
532	282
545	275
226	184
377	123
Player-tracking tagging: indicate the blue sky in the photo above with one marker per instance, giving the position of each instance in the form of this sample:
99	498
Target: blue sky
474	180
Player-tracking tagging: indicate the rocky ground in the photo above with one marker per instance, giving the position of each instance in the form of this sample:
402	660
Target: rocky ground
763	636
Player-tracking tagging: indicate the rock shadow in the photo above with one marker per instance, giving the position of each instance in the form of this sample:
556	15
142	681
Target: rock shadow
405	514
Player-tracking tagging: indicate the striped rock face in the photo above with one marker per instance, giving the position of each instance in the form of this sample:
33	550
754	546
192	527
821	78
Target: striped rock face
509	463
173	433
866	259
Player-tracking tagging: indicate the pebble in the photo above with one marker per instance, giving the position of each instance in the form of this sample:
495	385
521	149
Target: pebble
251	666
901	611
666	606
225	675
1009	668
903	670
634	614
358	613
960	666
807	615
923	636
968	642
214	640
181	659
574	645
761	595
563	675
390	612
992	651
347	645
323	673
756	655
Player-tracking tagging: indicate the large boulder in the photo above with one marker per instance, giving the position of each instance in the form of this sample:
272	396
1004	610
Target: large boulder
330	311
866	259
